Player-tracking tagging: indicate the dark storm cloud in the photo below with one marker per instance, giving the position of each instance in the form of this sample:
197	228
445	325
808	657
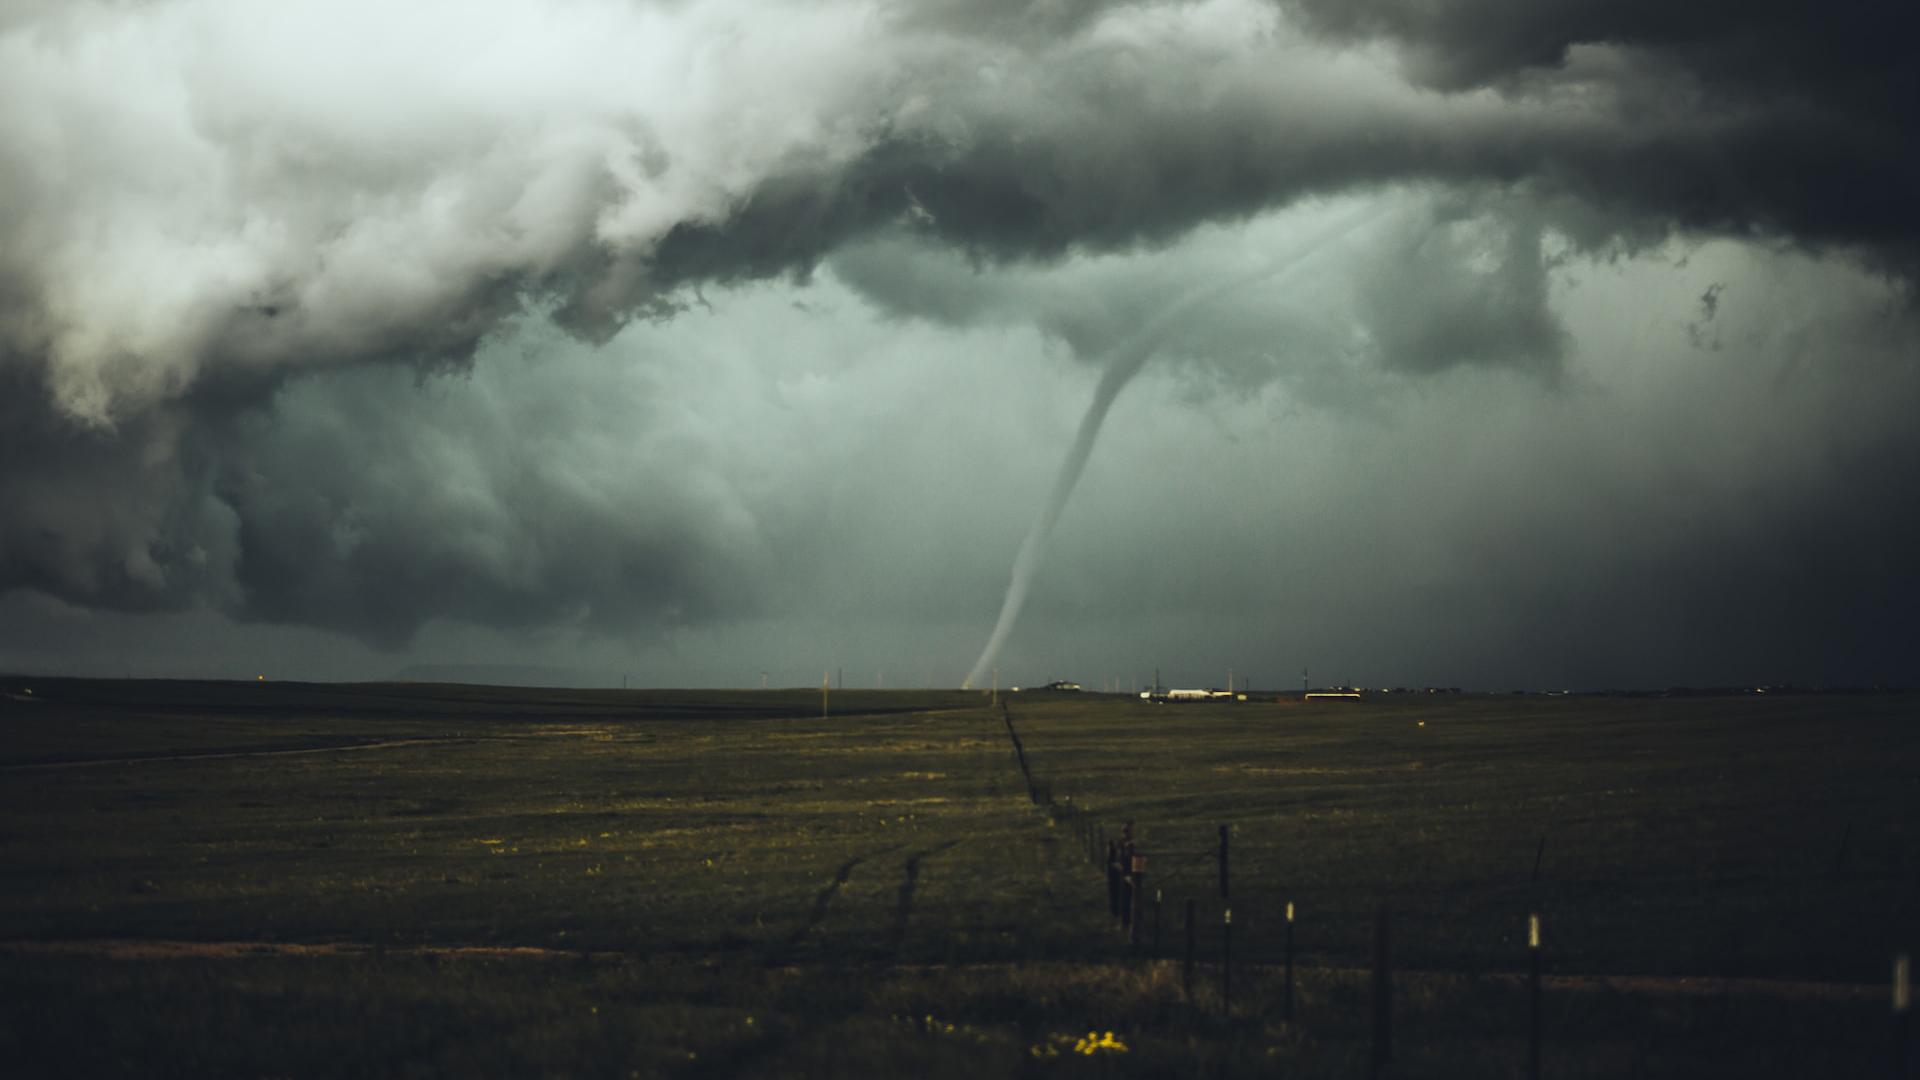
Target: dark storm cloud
410	517
1809	131
121	519
218	221
1792	125
1464	289
1759	47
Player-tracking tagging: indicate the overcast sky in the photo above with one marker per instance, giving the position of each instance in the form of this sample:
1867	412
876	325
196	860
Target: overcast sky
1493	343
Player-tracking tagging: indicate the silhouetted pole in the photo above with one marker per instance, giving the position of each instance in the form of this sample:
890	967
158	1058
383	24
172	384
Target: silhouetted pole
1223	862
1113	879
1382	991
1135	892
1906	1064
1186	969
1533	994
1286	1006
1156	924
1226	962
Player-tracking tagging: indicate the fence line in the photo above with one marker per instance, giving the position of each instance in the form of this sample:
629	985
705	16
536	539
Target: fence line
1127	866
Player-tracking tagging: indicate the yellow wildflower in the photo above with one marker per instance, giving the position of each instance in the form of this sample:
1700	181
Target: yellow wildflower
1094	1042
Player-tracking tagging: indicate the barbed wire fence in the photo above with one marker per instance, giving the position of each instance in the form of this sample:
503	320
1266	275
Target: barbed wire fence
1201	874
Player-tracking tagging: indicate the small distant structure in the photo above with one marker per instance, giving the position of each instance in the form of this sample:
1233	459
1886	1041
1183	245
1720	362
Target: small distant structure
1333	695
1062	684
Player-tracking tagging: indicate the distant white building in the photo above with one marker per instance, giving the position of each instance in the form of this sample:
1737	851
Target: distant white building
1191	695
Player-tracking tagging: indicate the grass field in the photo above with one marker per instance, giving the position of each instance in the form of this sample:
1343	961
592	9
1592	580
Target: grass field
277	879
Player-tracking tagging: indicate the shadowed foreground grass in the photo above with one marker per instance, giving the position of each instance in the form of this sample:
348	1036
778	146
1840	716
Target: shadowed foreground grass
726	884
622	1016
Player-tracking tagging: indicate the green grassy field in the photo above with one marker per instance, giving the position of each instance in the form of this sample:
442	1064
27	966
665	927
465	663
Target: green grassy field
1723	836
279	879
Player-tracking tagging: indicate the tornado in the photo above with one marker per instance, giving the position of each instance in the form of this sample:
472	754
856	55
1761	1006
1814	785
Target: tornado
1126	361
